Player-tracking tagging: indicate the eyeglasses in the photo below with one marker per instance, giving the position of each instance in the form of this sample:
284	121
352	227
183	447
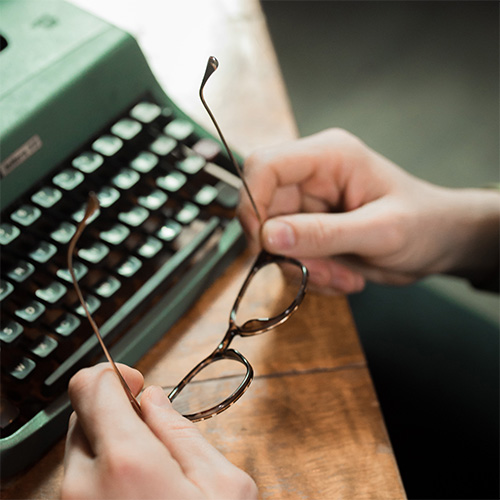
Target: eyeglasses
231	370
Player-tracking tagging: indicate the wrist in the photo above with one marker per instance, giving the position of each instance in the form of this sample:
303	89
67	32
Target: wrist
474	252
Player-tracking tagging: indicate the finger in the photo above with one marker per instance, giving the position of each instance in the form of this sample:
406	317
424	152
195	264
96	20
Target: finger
196	456
309	161
390	274
76	444
78	460
269	169
332	275
203	466
286	201
365	231
290	200
103	409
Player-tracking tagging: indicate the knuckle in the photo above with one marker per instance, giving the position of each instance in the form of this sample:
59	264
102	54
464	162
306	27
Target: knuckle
72	420
339	135
255	159
394	247
182	427
264	159
393	232
78	382
238	482
71	490
346	144
320	233
247	486
121	466
87	378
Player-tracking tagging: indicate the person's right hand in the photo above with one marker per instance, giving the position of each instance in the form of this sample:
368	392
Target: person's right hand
351	215
112	453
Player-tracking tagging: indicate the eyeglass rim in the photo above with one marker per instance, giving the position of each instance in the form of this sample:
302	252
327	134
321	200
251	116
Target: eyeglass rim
263	259
224	352
231	354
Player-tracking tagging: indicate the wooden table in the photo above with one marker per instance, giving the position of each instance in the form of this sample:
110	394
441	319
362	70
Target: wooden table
310	425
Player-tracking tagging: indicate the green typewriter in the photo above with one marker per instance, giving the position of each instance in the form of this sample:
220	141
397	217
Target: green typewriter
81	112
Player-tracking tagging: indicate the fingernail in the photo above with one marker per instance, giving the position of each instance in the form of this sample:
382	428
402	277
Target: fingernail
278	235
158	397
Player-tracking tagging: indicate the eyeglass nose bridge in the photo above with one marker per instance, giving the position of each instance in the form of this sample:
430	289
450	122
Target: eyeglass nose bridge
257	326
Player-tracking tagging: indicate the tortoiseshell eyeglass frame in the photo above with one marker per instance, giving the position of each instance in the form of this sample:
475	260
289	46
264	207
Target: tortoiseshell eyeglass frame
249	328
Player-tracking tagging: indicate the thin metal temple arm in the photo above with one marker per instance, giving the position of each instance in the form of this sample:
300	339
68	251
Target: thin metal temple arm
92	207
212	65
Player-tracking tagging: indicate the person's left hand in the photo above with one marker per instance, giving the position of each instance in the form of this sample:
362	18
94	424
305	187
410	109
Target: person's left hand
112	453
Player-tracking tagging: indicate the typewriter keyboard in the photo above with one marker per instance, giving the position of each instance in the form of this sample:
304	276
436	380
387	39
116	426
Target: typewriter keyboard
164	199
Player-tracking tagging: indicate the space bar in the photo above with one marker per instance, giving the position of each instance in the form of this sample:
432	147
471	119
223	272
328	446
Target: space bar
173	264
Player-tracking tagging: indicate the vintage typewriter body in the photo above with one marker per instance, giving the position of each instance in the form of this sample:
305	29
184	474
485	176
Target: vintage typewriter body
81	112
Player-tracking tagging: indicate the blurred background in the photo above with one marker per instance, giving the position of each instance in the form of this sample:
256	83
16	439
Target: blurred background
418	82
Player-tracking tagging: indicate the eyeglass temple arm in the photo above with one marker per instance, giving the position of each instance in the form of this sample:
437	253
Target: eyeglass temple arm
92	207
212	65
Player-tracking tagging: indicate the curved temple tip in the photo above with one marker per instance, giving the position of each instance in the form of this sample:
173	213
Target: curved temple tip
92	207
213	62
212	65
93	200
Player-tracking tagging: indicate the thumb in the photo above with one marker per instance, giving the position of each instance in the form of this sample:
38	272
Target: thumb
179	435
320	235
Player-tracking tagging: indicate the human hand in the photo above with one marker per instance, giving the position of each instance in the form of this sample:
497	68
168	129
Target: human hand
112	453
351	215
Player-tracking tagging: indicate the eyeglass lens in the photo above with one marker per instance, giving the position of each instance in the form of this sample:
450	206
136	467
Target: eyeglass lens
256	307
221	379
